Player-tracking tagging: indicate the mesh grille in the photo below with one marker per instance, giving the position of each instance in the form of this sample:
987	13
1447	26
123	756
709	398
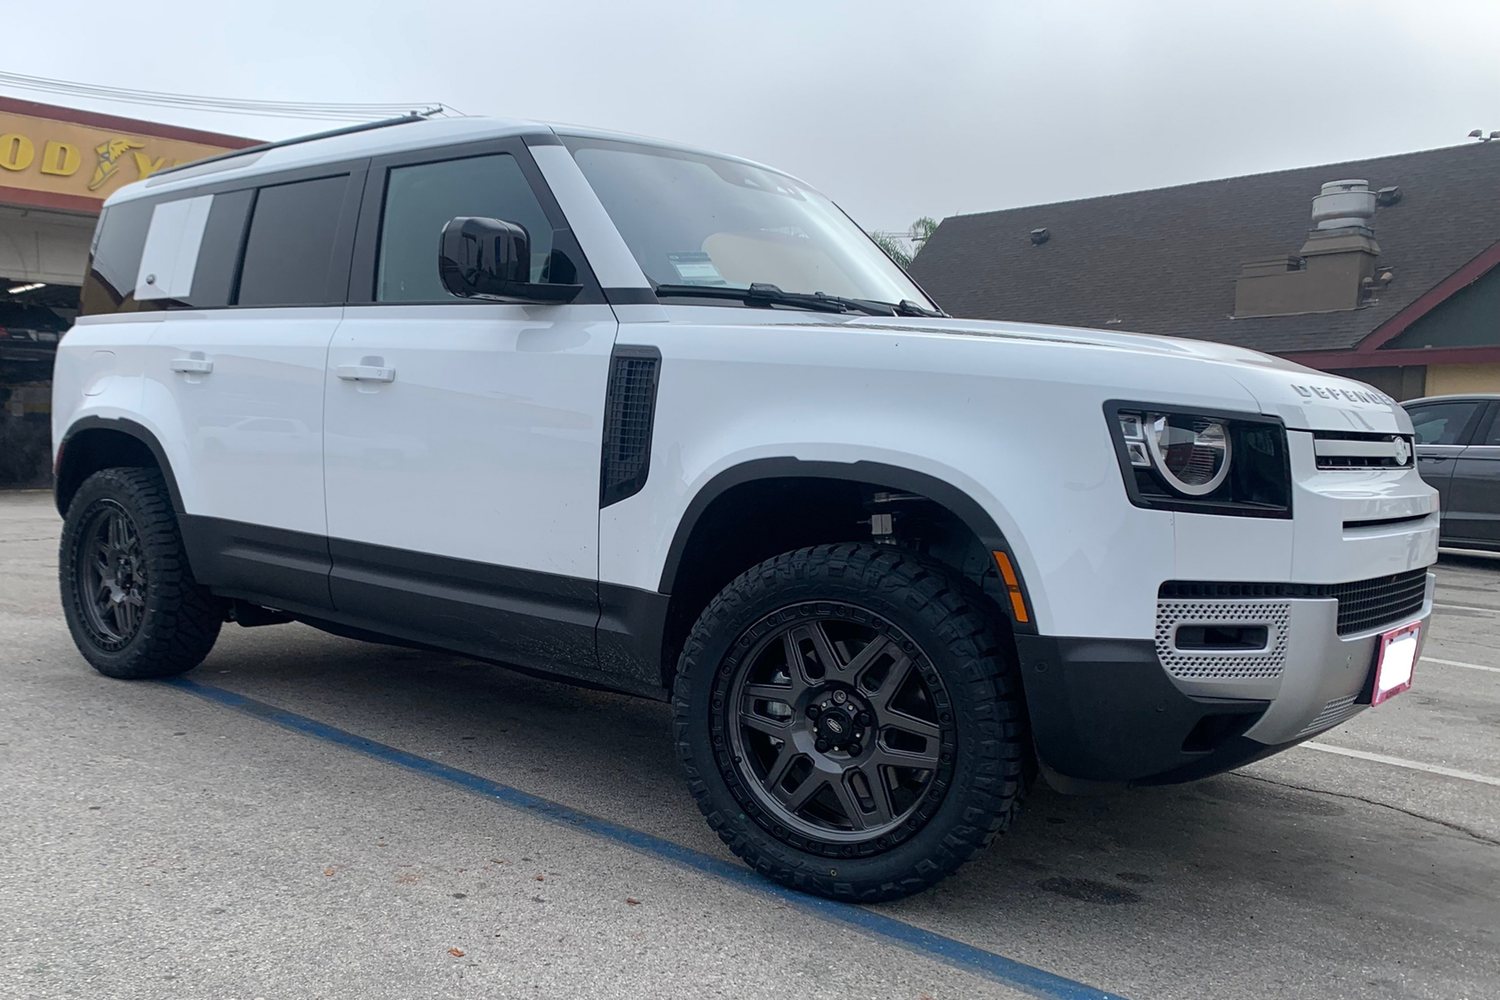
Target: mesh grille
629	412
1199	665
1364	605
1336	711
1371	603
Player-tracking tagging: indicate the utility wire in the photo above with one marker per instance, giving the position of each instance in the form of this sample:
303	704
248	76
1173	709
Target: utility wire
314	110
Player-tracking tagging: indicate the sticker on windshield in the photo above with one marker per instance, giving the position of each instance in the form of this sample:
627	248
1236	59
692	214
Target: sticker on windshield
696	269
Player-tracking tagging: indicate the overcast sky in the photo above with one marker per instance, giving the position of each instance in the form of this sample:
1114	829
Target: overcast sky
896	109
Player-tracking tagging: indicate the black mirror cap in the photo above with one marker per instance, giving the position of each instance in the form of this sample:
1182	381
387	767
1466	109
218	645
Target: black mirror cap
491	259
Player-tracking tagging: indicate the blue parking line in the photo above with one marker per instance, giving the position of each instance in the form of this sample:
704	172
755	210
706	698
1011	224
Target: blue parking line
1027	978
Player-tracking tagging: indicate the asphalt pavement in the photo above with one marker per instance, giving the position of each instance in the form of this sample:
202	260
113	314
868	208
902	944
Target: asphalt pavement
309	816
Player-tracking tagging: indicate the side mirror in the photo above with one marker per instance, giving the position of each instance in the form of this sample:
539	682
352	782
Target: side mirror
491	259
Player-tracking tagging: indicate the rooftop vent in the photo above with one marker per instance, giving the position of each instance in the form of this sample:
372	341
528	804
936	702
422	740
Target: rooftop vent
1387	196
1040	236
1343	204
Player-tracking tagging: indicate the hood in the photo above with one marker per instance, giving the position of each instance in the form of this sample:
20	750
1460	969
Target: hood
1304	398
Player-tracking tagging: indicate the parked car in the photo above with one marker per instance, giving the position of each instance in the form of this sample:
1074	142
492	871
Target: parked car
1458	452
29	333
668	422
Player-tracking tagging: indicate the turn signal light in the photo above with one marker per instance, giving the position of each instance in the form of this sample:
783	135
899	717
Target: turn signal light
1012	587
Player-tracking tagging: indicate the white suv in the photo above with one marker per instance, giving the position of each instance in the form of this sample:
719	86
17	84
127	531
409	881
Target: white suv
667	422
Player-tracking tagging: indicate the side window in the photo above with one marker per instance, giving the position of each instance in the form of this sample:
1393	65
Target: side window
219	254
421	199
115	259
1493	437
1442	423
290	247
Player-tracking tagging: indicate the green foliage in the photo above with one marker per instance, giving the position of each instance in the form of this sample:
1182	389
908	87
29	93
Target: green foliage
895	244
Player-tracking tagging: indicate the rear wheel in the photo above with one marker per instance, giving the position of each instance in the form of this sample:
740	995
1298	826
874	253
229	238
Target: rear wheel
850	722
129	597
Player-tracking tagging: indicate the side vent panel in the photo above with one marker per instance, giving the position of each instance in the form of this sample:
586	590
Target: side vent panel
629	413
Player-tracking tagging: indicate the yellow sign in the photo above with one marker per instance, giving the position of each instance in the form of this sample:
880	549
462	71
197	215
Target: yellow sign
76	161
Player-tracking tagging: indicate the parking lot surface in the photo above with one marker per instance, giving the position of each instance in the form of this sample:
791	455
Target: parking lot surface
311	816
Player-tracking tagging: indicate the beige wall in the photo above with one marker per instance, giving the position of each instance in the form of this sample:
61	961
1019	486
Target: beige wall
1443	380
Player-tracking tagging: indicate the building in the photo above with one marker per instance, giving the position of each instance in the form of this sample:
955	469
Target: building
57	165
1392	278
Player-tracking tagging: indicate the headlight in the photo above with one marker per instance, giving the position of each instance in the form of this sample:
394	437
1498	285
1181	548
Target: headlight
1206	462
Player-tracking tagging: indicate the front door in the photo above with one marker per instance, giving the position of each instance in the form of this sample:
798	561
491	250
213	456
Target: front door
462	443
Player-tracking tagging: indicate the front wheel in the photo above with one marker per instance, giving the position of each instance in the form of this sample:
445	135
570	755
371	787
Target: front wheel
129	597
850	722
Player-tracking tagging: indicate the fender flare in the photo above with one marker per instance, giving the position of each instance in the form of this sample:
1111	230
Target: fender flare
965	507
121	426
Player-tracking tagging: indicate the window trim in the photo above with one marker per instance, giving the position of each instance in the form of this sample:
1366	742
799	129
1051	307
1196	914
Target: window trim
365	258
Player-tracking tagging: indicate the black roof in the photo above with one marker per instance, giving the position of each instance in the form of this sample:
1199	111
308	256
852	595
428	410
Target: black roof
1166	260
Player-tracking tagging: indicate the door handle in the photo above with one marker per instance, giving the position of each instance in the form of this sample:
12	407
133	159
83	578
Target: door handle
365	373
192	366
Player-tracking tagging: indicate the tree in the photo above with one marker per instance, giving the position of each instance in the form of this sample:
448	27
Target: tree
895	244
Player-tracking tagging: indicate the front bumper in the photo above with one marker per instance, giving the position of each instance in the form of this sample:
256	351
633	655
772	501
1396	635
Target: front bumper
1137	711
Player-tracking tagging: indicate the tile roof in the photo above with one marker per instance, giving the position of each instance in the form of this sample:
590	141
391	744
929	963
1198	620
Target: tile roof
1166	260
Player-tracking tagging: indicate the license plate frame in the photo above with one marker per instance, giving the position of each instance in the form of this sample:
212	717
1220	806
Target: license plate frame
1396	662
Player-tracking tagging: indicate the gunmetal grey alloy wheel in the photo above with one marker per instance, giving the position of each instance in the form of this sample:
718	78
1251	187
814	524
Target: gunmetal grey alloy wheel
112	575
128	594
849	720
835	721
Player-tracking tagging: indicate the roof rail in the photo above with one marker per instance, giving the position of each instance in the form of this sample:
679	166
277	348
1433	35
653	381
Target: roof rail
415	116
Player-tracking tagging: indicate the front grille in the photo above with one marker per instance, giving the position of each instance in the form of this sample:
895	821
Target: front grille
1364	605
1351	450
1372	603
629	413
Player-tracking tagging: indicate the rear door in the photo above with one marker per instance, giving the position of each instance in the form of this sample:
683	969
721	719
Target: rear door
1443	427
1473	515
239	362
462	448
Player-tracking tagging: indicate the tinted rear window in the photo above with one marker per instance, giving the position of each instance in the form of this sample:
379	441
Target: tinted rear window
219	254
119	239
290	247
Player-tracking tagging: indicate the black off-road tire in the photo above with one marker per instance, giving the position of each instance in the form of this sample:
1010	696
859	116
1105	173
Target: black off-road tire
952	625
180	620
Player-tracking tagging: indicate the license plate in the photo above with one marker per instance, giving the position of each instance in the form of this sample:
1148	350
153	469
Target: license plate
1398	658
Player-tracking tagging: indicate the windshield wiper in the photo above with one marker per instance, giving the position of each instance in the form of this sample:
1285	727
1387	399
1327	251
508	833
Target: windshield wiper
906	307
761	293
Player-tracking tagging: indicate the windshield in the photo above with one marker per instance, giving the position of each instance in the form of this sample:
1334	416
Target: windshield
692	219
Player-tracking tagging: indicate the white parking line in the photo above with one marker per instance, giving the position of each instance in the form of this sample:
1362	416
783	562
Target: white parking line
1460	663
1466	607
1380	758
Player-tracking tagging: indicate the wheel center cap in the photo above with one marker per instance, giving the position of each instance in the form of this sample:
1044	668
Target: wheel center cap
837	730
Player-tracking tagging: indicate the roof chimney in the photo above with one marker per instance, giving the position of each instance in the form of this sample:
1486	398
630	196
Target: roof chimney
1331	270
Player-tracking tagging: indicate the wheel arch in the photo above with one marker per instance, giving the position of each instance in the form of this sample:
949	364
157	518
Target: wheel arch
93	443
827	493
956	500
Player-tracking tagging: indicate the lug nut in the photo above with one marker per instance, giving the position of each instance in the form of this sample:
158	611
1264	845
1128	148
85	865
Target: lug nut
863	718
822	746
813	711
854	749
840	697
